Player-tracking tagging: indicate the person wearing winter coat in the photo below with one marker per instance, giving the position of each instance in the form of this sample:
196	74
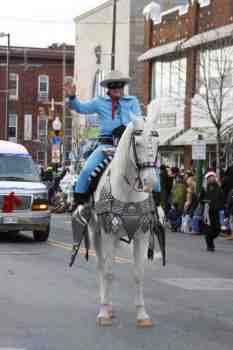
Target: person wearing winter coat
179	193
191	197
212	200
166	182
229	214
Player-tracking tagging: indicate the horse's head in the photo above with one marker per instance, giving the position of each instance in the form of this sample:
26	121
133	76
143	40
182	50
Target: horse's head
143	154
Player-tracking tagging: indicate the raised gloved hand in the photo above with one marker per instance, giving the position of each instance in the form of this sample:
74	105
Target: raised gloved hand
69	89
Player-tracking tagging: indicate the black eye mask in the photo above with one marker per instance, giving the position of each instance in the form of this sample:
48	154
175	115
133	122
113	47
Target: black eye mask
116	85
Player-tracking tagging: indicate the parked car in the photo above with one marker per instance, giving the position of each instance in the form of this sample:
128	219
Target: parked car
23	196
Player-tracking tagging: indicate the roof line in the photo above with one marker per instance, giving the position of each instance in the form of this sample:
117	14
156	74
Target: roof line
93	10
173	137
32	49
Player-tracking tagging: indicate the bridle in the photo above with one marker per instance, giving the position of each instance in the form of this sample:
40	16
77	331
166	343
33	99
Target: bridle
140	165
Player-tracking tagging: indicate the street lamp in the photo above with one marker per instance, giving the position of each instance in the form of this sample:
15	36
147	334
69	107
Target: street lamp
56	142
2	35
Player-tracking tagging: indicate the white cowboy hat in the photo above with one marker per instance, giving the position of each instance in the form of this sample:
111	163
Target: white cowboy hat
114	76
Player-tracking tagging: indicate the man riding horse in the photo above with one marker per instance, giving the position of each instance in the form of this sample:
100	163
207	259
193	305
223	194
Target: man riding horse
114	111
123	208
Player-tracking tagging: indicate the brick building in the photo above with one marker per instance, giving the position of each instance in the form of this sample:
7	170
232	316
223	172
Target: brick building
175	41
36	78
94	43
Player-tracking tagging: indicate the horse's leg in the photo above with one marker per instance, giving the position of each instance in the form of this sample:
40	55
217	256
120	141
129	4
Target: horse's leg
105	251
139	252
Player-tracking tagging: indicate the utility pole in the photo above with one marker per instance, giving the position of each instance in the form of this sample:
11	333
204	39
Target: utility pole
7	82
113	55
7	85
64	102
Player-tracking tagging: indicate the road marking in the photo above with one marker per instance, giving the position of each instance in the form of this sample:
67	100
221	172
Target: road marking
200	284
19	253
82	251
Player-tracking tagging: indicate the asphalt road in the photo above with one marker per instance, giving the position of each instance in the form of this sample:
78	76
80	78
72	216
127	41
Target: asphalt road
45	305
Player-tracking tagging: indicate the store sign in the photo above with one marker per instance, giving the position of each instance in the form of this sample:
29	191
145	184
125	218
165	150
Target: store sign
167	120
199	150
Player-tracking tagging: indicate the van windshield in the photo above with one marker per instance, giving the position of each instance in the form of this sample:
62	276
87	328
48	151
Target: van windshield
18	168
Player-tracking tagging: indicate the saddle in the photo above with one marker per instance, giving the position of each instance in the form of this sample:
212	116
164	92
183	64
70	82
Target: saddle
109	154
97	173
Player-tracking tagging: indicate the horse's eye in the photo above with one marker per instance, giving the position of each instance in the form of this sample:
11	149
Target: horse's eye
137	132
154	133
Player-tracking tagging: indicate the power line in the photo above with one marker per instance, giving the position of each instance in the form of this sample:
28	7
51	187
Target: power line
51	21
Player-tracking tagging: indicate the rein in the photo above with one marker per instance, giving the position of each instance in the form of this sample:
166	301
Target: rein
139	166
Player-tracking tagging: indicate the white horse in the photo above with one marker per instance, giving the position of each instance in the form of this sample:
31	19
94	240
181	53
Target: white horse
128	181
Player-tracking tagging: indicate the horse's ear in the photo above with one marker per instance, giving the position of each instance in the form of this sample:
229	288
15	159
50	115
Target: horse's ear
137	121
152	120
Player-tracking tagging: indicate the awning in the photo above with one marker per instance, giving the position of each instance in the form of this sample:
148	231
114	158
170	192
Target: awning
209	36
160	51
165	134
191	135
196	40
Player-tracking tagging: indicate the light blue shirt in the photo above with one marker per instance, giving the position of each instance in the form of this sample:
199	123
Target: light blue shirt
103	107
157	187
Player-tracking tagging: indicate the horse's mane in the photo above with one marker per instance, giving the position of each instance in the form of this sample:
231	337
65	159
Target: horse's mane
123	148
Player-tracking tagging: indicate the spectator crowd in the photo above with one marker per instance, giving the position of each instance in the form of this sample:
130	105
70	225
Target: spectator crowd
209	212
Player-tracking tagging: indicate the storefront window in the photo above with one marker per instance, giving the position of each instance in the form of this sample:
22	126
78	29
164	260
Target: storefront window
216	68
168	78
211	159
172	159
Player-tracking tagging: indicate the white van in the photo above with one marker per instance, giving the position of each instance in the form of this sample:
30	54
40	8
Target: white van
23	197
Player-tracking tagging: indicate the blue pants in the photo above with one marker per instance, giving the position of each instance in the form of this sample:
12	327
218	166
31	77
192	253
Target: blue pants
157	187
95	158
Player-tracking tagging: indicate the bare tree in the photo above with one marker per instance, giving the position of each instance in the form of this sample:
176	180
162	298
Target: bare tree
214	89
212	96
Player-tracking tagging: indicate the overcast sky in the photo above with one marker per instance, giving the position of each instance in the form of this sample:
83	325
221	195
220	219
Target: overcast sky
43	22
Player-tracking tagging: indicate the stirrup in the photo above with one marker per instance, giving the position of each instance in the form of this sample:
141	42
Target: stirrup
84	211
109	152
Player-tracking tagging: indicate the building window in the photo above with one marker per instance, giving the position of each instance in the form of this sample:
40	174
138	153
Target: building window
43	87
216	68
27	127
169	78
42	130
14	86
211	159
67	147
12	127
69	79
41	157
172	158
68	126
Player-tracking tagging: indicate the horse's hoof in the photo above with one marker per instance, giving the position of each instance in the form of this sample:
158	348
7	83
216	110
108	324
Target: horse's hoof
104	321
110	314
146	323
110	311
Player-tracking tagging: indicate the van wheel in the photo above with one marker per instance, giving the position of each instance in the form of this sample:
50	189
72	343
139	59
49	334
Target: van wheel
41	236
15	232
